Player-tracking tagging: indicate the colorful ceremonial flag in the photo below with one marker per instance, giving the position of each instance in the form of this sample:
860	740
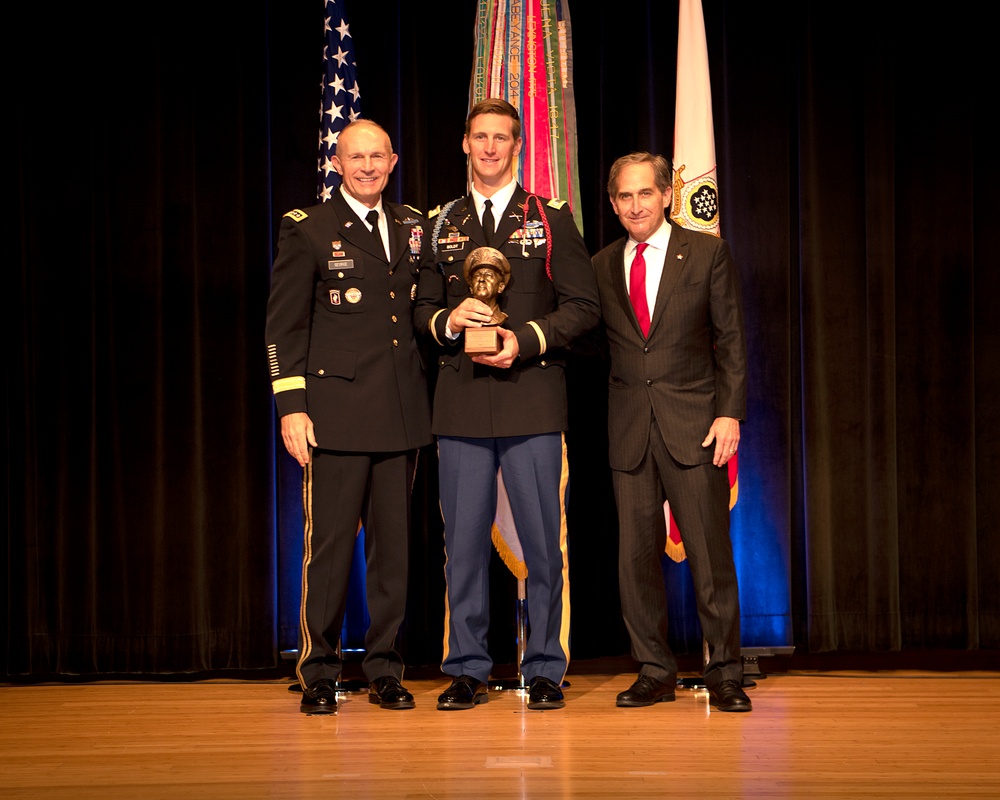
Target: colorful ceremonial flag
523	54
696	190
341	96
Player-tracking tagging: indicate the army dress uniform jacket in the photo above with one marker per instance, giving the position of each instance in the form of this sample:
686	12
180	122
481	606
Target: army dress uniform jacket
339	328
545	313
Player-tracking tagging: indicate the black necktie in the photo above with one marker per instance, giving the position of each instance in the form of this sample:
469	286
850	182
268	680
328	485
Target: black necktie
373	221
489	226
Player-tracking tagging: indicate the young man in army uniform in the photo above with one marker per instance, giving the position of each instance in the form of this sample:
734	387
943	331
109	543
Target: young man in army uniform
506	410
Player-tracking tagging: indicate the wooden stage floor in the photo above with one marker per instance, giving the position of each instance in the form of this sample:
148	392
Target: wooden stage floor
811	735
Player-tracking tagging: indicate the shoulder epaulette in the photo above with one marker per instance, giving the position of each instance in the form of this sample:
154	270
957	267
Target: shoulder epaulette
414	210
554	203
297	214
433	212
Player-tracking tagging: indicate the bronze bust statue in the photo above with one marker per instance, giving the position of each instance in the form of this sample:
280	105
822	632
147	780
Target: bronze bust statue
487	271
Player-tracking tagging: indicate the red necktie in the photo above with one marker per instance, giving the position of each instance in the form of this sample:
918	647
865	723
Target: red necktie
637	288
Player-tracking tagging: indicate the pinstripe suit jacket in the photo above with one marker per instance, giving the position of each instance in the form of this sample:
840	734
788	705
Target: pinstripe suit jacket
692	367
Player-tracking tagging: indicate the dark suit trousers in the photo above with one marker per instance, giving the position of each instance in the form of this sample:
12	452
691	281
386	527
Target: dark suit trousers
340	489
699	500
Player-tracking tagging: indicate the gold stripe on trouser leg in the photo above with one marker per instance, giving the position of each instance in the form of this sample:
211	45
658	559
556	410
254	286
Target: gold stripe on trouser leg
305	640
564	549
447	607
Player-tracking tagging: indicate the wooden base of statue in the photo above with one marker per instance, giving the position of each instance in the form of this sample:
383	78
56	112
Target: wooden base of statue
483	341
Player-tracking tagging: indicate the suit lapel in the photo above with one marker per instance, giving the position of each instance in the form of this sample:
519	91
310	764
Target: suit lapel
678	250
399	237
511	218
463	216
620	286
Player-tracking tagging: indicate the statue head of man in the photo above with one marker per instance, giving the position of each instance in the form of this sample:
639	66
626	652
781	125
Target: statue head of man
487	272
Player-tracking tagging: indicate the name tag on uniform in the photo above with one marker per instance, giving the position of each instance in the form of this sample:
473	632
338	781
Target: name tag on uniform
344	263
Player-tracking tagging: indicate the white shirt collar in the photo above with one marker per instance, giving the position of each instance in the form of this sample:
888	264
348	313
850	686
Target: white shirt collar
658	241
358	207
500	198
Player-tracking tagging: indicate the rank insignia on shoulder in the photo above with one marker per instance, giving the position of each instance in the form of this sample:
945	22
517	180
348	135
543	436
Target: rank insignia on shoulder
433	212
554	203
297	214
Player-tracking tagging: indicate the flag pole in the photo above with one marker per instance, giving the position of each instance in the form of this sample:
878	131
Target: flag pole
523	54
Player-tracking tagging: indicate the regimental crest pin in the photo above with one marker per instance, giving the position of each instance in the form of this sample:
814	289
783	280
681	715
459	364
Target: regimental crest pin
335	297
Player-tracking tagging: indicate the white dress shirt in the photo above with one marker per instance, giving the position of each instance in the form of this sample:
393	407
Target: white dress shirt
653	256
500	198
362	210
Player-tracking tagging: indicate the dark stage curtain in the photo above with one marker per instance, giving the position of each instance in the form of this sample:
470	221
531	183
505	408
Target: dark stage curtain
139	459
150	528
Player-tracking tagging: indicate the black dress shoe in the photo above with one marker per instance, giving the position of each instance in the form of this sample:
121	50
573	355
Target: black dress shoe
319	698
646	691
387	692
464	692
543	693
729	696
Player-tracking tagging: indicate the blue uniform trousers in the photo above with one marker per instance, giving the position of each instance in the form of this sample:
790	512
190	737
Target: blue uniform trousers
536	477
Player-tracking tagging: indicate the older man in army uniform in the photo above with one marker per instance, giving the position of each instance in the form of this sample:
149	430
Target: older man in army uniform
350	389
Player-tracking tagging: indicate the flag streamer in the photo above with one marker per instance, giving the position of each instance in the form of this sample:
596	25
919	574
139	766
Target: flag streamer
523	54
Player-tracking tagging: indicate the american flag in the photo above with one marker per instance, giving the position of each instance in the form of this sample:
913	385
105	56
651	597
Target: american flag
341	96
340	105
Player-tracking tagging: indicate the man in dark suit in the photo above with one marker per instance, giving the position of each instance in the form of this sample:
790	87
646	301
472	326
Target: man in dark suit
507	410
352	396
671	306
